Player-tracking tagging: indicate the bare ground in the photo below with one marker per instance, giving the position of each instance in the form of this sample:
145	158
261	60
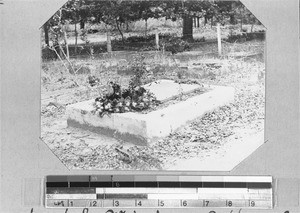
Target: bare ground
202	138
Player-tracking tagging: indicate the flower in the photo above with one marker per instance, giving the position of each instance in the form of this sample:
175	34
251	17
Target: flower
107	106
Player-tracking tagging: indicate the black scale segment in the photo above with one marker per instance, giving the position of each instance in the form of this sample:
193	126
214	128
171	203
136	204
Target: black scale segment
79	184
101	184
57	184
213	184
169	184
123	184
146	184
191	184
259	185
235	185
126	196
100	196
74	190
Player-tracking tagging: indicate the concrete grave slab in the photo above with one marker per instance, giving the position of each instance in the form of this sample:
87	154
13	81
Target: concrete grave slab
209	62
243	54
192	55
142	129
197	65
167	89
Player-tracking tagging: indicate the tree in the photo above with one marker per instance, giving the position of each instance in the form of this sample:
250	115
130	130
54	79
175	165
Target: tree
117	13
111	13
193	9
76	11
146	10
243	15
187	30
46	31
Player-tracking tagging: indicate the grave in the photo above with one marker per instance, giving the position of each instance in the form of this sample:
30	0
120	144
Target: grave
212	63
142	129
192	55
130	55
199	64
165	90
244	54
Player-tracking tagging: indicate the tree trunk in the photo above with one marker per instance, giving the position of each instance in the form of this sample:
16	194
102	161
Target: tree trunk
66	40
67	45
241	14
62	27
46	31
241	25
205	20
108	44
232	19
76	37
57	49
146	26
187	28
127	26
82	24
198	22
120	31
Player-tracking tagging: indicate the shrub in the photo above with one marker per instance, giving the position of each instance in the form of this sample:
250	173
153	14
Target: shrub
138	67
134	98
120	101
246	36
175	45
48	54
148	38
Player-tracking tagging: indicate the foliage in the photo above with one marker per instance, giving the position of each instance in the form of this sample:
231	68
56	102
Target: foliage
76	10
48	54
242	14
139	70
246	37
133	98
120	101
175	45
148	38
115	13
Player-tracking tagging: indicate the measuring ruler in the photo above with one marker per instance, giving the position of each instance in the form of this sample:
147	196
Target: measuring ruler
163	191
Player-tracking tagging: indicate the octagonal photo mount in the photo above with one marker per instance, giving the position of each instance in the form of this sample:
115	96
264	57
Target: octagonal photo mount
166	92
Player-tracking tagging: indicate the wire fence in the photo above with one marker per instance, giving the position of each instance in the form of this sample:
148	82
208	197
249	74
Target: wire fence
93	49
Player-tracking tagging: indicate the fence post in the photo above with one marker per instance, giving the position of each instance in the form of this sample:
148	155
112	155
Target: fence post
108	42
157	40
219	39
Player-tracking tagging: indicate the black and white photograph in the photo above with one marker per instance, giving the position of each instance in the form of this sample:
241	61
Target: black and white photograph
152	85
153	106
